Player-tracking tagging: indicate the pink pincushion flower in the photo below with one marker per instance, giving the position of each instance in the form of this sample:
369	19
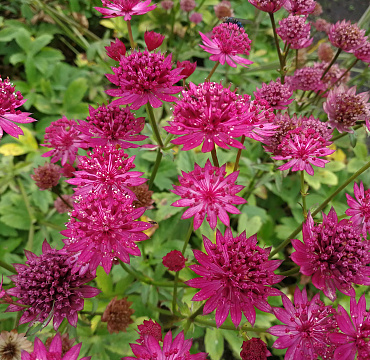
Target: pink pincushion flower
322	25
346	36
307	78
208	192
223	9
144	77
300	7
227	41
102	229
187	67
153	40
345	108
187	5
125	8
174	260
363	53
295	31
149	327
48	287
270	6
359	209
167	4
278	95
55	351
334	254
10	100
236	276
116	49
355	332
64	137
111	125
325	52
209	114
196	17
332	76
254	349
177	349
307	327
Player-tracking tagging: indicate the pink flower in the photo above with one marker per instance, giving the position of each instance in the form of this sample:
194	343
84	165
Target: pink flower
254	349
196	18
125	8
300	7
103	229
187	5
187	67
48	287
112	125
223	9
106	170
345	108
177	349
9	101
64	137
355	332
276	94
153	40
208	192
295	31
55	351
227	41
325	52
359	209
363	53
116	49
174	260
270	6
209	114
334	254
307	78
167	4
346	36
307	327
236	276
46	176
149	327
144	77
333	75
322	25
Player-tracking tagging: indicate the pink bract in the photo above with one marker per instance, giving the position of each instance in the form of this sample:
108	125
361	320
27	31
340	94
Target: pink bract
209	193
307	327
116	49
153	40
125	8
236	277
363	53
270	6
227	41
332	262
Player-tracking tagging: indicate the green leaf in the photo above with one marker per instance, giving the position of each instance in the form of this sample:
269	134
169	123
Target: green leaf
235	342
74	93
164	201
166	171
44	105
39	43
23	39
17	58
214	343
104	281
16	220
7	34
31	71
42	199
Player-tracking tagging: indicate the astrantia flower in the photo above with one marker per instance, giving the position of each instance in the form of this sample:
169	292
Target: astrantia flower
308	324
318	10
196	18
209	114
322	25
325	52
109	124
345	108
125	8
300	7
208	192
278	95
55	351
334	253
333	74
46	176
149	327
63	206
106	170
359	209
187	5
10	100
144	77
67	343
47	286
12	343
270	6
102	229
167	4
116	49
254	349
117	315
187	67
64	137
174	260
363	53
227	41
236	276
177	349
143	196
295	31
355	332
346	36
307	78
153	40
223	9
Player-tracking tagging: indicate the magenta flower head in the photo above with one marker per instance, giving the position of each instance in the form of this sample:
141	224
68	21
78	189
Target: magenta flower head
307	78
363	53
278	95
177	349
227	41
345	108
10	100
300	7
355	332
103	229
167	4
64	138
112	125
359	209
208	192
187	5
334	253
196	17
346	36
55	351
187	67
307	327
149	327
116	49
144	77
153	40
270	6
174	260
211	115
295	31
125	8
254	349
236	276
49	289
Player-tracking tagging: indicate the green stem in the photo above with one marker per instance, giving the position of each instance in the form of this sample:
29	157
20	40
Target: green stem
129	29
239	154
92	313
155	168
293	271
51	225
192	317
277	46
230	327
331	63
153	124
214	157
344	133
16	320
346	72
321	207
8	267
304	194
212	71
